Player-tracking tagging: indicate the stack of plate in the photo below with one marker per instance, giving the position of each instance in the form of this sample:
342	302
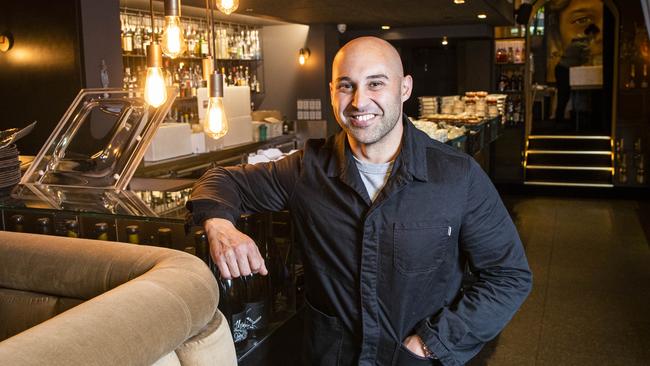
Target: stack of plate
9	166
428	105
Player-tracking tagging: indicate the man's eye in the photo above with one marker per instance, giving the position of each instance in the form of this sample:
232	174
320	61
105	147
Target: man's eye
375	84
344	87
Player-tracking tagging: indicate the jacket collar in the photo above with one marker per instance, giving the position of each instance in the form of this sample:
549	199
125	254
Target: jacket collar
411	159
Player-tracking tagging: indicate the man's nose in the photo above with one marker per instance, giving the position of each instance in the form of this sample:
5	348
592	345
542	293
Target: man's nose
360	98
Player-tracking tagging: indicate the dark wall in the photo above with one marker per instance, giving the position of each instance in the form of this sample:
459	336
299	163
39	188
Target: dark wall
100	29
55	54
41	74
315	76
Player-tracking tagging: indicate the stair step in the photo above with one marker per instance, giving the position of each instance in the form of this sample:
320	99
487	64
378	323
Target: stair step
569	184
569	142
568	158
565	167
568	137
570	175
576	152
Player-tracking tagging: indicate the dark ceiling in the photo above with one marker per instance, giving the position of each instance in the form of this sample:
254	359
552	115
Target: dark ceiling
359	14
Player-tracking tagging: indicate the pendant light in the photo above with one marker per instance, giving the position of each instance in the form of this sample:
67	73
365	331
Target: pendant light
215	123
173	42
227	6
155	91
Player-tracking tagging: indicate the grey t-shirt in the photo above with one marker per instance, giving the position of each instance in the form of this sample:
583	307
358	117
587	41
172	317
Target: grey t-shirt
374	176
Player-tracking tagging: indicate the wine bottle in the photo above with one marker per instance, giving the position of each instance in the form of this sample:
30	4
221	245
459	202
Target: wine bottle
18	222
202	246
43	224
256	305
233	304
101	231
133	234
72	228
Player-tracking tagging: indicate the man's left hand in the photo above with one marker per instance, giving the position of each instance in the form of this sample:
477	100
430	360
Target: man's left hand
414	344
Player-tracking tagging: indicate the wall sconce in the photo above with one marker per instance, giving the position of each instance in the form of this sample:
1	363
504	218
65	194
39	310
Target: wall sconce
6	41
303	55
444	41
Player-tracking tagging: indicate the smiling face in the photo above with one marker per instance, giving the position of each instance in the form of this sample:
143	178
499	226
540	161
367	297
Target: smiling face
368	88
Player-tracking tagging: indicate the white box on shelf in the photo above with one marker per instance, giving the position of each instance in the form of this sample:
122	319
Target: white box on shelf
170	140
198	143
586	76
240	131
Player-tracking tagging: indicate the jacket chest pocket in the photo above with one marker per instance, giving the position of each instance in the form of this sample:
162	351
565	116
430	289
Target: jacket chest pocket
420	246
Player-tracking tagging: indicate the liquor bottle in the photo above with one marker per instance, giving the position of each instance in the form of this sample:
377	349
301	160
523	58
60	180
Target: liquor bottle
72	228
503	82
644	82
203	44
191	42
128	41
518	58
133	234
137	41
202	246
101	231
511	55
43	226
257	303
18	222
632	83
146	39
165	237
126	79
233	293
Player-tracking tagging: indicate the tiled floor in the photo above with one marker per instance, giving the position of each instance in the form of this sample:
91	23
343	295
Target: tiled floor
590	303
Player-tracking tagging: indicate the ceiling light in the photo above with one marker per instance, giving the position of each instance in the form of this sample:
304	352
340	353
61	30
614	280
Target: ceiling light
155	91
173	42
385	27
215	123
482	16
227	6
444	41
459	1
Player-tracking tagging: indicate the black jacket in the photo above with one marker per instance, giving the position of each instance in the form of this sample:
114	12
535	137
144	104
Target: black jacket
376	272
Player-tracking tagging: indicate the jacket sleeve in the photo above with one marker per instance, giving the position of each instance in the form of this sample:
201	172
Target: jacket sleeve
489	239
229	192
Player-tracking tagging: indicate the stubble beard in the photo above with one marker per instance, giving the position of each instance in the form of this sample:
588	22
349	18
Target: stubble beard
376	132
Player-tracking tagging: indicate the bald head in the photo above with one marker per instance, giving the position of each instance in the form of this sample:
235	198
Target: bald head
368	88
372	51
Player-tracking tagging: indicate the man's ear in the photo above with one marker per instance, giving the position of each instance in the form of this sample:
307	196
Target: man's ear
331	93
407	87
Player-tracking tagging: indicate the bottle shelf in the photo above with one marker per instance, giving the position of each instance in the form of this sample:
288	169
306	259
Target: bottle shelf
197	59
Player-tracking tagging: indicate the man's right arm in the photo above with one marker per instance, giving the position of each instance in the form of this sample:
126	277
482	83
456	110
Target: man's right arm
221	195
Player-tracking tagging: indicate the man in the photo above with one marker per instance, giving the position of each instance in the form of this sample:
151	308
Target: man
387	219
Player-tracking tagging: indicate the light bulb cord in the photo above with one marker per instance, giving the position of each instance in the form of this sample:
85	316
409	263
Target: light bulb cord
152	27
214	41
207	19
